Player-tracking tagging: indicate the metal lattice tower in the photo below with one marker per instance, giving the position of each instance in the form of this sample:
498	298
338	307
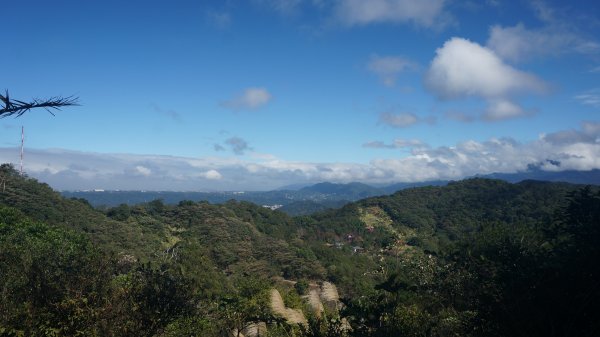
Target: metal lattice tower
22	145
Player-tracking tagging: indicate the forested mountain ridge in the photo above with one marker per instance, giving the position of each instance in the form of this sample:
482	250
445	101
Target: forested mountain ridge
478	257
40	203
149	229
449	212
318	197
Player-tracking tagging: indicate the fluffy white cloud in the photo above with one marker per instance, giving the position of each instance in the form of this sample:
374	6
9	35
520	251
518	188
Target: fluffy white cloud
212	175
142	170
462	68
572	149
361	12
249	99
388	67
577	149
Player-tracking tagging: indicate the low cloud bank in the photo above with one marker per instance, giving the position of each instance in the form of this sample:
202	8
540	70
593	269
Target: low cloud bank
576	149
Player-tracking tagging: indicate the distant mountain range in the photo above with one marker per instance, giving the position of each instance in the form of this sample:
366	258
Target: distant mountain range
570	176
301	199
305	200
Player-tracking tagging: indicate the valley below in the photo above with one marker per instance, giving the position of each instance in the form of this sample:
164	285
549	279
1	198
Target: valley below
477	257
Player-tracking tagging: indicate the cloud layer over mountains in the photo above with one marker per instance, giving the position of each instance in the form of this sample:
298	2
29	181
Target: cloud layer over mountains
72	170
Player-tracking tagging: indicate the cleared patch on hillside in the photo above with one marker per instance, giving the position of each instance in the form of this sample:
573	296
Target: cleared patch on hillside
374	216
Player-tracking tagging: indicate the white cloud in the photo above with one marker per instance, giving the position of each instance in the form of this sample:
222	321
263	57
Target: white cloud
377	144
543	11
588	47
250	99
518	43
212	175
580	150
590	97
143	170
462	68
397	144
560	33
388	67
238	145
404	119
425	13
459	116
502	109
400	120
577	149
409	143
64	169
592	129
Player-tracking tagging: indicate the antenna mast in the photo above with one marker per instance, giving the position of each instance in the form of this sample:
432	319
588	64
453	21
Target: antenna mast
22	144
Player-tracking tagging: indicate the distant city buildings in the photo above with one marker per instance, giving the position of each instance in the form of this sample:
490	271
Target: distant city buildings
272	207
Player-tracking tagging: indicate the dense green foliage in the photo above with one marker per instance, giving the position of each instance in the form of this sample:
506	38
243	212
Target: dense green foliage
475	258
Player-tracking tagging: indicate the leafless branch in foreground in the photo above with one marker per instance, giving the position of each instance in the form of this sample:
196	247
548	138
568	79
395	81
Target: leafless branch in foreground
18	108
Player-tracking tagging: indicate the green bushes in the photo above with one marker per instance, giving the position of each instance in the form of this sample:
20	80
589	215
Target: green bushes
53	281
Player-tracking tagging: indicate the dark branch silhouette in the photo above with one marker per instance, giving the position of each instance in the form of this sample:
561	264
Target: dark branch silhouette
18	108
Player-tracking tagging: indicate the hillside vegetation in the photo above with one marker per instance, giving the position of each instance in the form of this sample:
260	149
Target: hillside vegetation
477	257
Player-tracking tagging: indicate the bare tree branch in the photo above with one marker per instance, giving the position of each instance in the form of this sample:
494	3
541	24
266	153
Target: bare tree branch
18	108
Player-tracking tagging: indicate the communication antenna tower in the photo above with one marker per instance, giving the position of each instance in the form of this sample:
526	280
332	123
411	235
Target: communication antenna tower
22	144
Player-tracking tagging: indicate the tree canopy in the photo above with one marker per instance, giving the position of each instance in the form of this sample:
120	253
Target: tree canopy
475	258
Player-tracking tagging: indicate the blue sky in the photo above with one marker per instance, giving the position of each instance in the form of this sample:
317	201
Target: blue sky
221	95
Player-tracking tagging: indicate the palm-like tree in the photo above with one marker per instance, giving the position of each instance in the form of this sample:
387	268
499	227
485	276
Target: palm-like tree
18	108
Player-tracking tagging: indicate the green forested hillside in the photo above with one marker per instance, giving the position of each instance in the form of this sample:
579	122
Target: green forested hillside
475	258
